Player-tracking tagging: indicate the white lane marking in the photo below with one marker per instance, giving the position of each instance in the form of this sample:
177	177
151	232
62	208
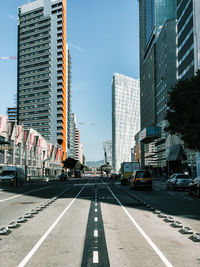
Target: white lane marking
154	247
171	193
95	210
188	198
95	204
5	199
95	233
96	219
39	243
95	257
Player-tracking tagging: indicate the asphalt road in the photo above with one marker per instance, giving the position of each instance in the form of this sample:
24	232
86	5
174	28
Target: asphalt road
95	222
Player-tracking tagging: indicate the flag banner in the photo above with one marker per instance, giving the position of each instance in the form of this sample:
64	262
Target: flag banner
11	127
26	134
3	125
40	142
58	151
31	141
35	140
61	155
49	150
19	135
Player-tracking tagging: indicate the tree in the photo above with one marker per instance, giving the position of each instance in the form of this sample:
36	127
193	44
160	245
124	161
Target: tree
70	163
183	114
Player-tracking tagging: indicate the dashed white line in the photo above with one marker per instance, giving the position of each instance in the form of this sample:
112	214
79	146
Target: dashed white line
95	233
38	244
95	257
146	237
96	219
95	204
95	210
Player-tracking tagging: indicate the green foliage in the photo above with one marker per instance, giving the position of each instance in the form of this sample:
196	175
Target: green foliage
183	115
106	168
70	163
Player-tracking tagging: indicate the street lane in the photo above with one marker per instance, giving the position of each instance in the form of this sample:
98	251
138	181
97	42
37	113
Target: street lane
177	248
175	203
95	228
19	204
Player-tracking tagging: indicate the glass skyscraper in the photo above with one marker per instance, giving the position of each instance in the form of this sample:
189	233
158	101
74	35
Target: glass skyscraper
125	117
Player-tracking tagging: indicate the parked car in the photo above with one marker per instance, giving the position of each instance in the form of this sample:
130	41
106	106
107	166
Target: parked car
63	176
13	175
141	179
78	174
179	181
194	187
113	175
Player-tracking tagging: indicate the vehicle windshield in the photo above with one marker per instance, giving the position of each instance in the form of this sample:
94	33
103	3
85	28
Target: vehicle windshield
183	176
143	174
8	173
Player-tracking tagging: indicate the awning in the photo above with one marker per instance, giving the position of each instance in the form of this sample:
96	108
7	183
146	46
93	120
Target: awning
176	153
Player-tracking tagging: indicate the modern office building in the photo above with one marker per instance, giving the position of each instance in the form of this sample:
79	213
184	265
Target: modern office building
196	16
185	38
72	135
78	151
107	148
166	76
42	58
152	16
12	114
188	13
69	96
125	117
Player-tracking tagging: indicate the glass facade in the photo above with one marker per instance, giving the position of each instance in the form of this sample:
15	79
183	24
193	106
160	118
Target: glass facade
150	18
165	9
156	12
185	39
125	117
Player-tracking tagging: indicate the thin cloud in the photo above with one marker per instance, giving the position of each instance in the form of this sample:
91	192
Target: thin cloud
12	17
78	48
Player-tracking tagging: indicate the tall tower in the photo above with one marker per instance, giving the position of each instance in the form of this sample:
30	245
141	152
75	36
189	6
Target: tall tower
185	39
152	15
41	86
125	117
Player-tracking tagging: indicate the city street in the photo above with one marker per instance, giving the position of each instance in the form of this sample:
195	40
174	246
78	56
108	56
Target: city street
93	221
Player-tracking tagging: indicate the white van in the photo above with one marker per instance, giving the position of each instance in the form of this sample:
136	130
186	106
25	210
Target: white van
13	175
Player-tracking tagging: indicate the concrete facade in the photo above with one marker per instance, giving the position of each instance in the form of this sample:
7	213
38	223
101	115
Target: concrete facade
42	86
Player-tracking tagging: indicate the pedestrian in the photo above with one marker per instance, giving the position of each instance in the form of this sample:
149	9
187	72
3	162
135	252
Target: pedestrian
28	177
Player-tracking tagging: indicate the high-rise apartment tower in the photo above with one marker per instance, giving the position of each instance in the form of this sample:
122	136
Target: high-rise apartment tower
42	89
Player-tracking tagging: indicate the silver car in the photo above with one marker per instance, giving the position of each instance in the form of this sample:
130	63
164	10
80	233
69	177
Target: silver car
179	181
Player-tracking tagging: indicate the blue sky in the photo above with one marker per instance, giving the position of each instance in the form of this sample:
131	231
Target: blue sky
103	38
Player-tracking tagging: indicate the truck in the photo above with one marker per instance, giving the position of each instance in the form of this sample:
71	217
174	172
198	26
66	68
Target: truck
13	175
127	170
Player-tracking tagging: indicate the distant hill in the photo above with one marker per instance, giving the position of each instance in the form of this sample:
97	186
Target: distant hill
95	164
